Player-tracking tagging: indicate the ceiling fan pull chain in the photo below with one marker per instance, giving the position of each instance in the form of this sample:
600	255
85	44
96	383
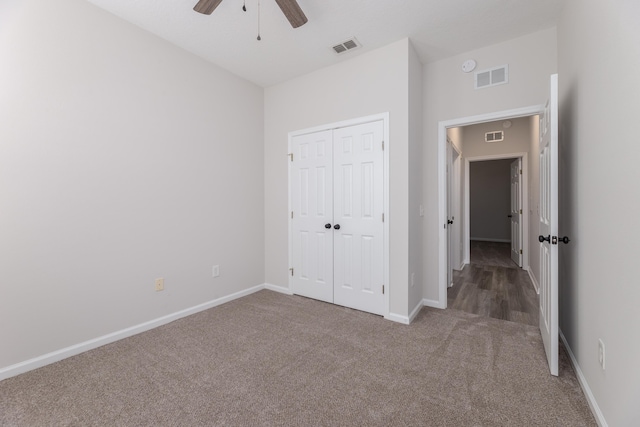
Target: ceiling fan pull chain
259	38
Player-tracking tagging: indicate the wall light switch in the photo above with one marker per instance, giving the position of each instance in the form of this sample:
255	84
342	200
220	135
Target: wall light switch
216	270
160	284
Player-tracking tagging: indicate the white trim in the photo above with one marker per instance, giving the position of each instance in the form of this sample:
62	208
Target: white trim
433	303
591	400
398	318
482	239
55	356
442	180
536	286
384	117
280	289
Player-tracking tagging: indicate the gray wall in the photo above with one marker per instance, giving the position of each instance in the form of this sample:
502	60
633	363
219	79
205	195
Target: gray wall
599	69
490	200
122	159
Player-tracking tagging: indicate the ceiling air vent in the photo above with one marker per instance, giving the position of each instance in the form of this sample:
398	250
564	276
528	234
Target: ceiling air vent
496	136
345	46
492	77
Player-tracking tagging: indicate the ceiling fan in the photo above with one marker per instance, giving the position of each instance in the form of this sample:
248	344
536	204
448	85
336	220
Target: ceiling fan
290	8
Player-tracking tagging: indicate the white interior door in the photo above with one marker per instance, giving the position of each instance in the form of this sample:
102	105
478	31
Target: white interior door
312	210
516	212
449	214
358	217
549	227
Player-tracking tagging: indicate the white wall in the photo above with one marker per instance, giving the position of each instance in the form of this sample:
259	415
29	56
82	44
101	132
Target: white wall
490	200
122	159
449	94
599	69
371	83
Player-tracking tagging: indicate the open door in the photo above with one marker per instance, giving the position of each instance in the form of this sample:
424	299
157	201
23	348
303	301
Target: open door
549	227
515	214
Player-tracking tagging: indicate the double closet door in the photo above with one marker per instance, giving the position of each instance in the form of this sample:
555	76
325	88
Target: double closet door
337	192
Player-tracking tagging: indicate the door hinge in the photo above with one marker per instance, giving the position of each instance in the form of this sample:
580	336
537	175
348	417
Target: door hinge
520	211
520	171
383	217
520	251
291	270
382	145
290	156
291	214
382	289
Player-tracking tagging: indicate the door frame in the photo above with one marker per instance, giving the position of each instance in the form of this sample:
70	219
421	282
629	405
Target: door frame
384	117
524	226
442	182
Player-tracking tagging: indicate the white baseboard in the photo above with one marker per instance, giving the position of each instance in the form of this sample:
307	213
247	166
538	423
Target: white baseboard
398	318
533	280
415	311
55	356
433	303
482	239
591	400
277	288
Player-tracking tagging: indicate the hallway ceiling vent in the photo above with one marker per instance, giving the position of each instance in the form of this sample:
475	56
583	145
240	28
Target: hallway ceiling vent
492	77
346	46
495	136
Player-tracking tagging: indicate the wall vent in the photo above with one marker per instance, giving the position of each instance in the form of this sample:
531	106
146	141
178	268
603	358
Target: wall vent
346	46
495	136
492	77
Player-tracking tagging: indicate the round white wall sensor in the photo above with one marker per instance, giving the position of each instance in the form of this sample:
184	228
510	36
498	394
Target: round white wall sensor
469	65
506	124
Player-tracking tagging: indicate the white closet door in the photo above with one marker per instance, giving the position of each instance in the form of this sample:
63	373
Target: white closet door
312	205
358	223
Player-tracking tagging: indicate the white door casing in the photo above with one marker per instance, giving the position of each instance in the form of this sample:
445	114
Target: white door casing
358	210
312	207
515	213
449	213
337	196
549	227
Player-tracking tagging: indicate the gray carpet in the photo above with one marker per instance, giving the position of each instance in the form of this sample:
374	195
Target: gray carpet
275	360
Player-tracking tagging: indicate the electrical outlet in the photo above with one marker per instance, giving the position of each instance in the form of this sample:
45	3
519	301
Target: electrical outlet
160	284
216	270
601	353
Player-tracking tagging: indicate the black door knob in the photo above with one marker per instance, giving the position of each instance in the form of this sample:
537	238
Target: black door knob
509	216
337	226
449	221
564	240
327	226
542	239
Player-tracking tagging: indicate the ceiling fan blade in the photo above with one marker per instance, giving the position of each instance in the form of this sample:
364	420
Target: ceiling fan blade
292	11
206	7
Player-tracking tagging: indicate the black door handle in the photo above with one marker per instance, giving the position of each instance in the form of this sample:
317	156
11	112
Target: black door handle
449	221
509	216
542	239
564	240
327	226
337	226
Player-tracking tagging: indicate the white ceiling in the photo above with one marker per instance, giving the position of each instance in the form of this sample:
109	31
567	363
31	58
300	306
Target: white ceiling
437	28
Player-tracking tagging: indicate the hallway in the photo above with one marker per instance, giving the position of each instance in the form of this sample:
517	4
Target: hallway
492	285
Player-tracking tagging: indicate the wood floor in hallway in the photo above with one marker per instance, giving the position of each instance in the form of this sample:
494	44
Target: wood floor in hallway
494	286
